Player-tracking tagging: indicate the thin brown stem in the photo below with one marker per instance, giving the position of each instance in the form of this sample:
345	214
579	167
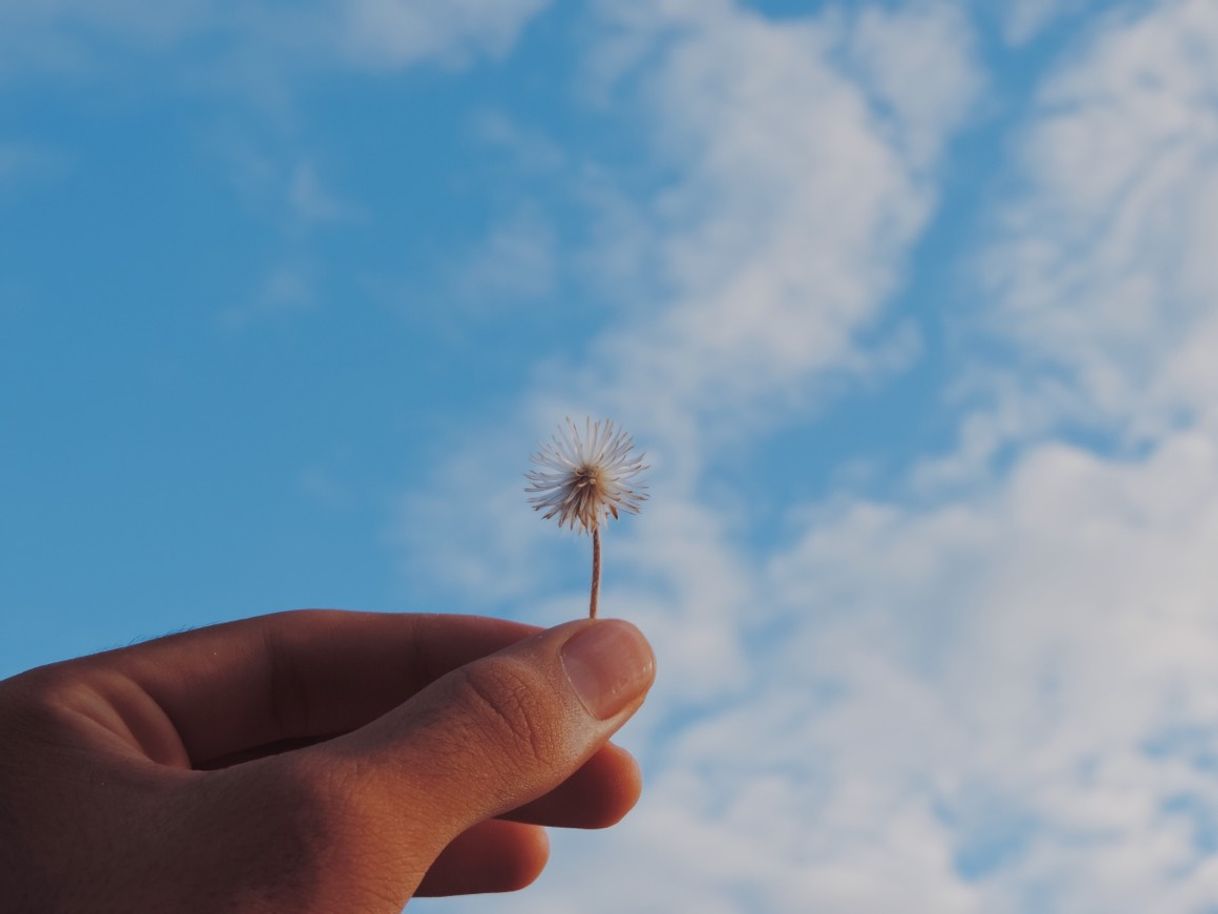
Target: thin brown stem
596	572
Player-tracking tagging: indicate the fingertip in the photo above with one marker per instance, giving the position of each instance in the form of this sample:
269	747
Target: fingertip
493	856
533	860
625	789
610	666
598	795
621	784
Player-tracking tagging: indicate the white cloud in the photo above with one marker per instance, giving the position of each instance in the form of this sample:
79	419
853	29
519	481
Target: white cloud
1104	274
1024	20
288	288
396	33
517	260
469	486
164	22
920	89
68	35
530	149
261	36
22	161
799	185
314	203
1055	630
289	187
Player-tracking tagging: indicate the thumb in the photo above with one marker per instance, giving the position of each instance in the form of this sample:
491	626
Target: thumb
503	730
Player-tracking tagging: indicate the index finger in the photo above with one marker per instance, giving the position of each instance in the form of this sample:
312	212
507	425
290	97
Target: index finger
293	675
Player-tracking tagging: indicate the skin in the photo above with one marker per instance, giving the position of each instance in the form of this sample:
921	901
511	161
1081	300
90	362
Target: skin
312	761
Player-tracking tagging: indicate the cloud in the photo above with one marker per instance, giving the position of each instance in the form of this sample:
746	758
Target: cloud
69	36
919	92
22	161
1025	20
166	22
289	288
1103	271
397	33
312	202
289	187
530	149
797	184
517	260
1058	630
75	36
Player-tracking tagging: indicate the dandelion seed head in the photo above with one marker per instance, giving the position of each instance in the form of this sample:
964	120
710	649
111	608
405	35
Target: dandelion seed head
583	479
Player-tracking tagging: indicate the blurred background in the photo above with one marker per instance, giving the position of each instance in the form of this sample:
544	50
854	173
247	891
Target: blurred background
913	305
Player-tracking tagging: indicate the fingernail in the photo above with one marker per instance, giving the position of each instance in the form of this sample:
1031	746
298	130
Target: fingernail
609	664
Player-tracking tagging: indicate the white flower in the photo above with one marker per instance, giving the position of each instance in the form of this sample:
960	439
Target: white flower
584	479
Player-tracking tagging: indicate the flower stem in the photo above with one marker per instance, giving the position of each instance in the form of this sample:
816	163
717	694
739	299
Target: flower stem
596	572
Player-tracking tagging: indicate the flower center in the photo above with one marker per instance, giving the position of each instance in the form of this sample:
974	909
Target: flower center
589	482
587	493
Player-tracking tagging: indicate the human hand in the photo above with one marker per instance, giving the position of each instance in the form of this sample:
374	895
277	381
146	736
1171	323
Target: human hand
426	752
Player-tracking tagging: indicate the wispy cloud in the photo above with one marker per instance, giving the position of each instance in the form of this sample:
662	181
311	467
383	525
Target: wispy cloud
288	288
531	150
1103	276
517	260
397	33
22	161
794	197
1024	20
314	203
69	35
287	191
259	37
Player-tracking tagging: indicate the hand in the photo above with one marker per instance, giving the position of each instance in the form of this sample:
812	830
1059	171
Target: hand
312	762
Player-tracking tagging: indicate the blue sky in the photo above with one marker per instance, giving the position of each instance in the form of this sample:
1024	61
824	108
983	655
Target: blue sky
912	306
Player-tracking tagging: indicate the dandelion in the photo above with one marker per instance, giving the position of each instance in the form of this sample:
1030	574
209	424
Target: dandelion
585	479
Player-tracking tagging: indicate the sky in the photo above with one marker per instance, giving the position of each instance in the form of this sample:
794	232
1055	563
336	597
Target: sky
912	306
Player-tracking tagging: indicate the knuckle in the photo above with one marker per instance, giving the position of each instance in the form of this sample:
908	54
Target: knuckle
39	687
286	686
42	701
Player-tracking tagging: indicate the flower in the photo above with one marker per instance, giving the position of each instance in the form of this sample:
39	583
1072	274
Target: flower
584	479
